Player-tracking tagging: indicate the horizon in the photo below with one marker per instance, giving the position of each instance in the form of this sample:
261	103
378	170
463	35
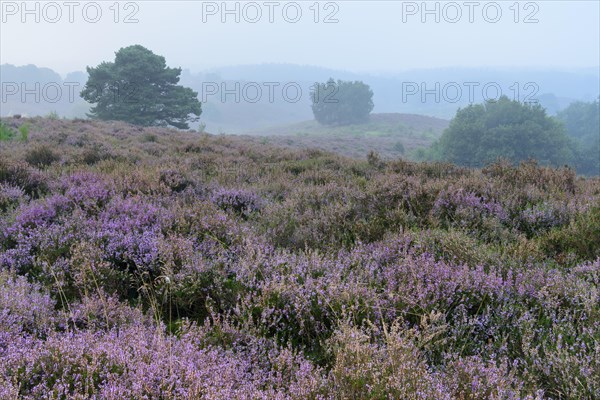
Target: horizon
595	69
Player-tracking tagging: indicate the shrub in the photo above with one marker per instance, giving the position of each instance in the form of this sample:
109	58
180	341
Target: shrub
24	307
481	133
10	196
6	132
457	247
242	202
19	173
579	237
392	369
53	115
374	160
473	378
41	156
24	132
399	147
174	180
539	218
95	154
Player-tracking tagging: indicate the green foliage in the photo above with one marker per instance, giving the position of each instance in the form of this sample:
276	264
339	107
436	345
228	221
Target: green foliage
582	122
53	115
481	133
456	246
24	132
581	237
374	160
342	103
6	132
581	119
140	89
423	154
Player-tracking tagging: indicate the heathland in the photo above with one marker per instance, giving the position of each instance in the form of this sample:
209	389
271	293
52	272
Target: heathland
154	263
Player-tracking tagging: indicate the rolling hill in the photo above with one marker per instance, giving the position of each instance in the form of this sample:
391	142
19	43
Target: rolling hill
392	135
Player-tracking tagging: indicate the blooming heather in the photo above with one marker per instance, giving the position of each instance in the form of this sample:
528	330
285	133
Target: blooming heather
154	271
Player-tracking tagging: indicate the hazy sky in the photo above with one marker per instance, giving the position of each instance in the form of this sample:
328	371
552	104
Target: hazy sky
360	36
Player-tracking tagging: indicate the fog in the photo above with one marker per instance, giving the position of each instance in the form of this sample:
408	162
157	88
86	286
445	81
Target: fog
358	36
427	58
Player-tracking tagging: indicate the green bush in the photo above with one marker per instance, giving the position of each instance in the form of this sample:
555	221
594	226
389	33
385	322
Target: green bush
581	237
24	132
481	133
53	115
6	132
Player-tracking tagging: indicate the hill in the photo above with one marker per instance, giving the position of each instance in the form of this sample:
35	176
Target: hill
392	135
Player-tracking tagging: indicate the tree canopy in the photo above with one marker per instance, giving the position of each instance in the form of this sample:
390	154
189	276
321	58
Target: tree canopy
139	88
582	123
481	133
581	119
342	102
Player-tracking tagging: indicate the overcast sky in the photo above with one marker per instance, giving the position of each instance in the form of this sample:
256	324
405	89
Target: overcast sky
375	36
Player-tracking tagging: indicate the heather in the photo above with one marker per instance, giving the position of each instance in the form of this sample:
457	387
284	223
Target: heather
153	263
